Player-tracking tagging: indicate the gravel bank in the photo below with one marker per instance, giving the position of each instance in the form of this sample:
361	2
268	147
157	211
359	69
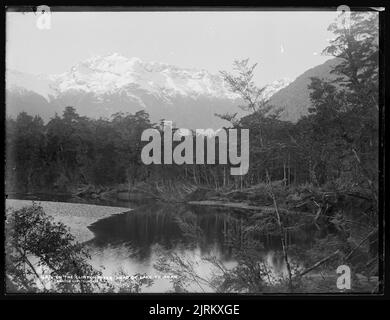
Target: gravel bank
74	215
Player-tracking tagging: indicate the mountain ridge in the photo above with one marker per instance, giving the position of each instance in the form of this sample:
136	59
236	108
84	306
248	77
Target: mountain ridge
103	85
294	99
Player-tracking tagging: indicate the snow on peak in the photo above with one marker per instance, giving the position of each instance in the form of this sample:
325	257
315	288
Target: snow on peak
115	73
274	87
21	82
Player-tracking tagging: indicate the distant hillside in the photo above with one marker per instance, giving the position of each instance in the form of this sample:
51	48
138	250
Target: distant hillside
294	99
104	85
101	86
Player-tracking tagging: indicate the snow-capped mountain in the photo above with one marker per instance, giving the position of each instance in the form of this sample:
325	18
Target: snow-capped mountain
19	82
103	85
274	87
114	73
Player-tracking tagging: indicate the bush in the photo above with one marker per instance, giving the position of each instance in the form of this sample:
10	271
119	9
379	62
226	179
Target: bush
36	245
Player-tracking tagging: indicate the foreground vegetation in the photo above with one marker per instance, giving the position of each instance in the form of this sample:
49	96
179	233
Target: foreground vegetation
335	146
43	256
308	174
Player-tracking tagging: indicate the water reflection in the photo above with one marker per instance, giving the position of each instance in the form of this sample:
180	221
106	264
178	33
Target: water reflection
133	241
166	225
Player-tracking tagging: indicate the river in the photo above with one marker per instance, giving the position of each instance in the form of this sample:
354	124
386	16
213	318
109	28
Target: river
134	242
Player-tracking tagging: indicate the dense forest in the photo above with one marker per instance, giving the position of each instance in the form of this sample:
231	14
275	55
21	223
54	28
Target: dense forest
335	145
332	150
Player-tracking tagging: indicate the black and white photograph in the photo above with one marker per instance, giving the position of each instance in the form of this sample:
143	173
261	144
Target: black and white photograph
178	151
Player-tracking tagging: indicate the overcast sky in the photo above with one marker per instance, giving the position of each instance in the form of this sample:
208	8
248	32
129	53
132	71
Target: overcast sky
285	44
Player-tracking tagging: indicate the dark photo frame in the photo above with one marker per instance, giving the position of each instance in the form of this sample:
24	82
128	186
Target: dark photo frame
86	216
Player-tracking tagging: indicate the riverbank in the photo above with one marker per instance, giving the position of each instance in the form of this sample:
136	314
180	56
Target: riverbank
77	217
144	225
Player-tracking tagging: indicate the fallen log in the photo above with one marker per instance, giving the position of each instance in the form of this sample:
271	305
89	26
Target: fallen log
236	205
244	206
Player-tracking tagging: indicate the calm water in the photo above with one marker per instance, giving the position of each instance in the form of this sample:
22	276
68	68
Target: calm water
134	241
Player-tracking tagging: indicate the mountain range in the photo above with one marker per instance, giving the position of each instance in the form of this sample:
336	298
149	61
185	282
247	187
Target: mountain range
104	85
294	99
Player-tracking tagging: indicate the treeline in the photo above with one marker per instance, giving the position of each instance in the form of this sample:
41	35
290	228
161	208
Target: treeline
71	150
335	145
